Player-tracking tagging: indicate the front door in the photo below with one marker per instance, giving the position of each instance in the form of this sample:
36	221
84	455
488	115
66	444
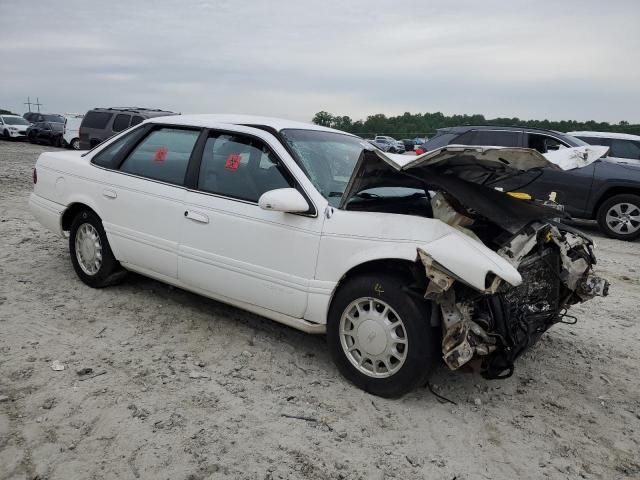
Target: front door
230	247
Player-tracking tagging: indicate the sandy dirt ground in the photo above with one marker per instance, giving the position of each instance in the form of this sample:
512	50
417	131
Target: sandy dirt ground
195	389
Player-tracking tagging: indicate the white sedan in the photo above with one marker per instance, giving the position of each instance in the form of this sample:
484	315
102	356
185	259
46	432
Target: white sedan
400	260
13	126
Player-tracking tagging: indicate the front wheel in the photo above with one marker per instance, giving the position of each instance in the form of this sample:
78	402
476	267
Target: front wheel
619	216
91	254
380	335
6	134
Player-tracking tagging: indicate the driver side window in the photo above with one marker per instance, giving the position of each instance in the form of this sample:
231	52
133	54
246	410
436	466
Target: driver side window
240	167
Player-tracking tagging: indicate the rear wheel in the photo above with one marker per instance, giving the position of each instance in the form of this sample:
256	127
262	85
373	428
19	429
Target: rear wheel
75	144
91	255
619	216
380	335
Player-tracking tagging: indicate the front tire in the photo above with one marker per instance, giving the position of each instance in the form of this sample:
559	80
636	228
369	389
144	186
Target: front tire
380	336
619	216
91	254
6	134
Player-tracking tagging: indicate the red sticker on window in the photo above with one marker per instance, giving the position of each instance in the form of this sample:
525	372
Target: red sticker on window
233	162
160	155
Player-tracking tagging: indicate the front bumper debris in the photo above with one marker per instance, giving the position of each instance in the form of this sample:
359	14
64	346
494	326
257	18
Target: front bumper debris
499	323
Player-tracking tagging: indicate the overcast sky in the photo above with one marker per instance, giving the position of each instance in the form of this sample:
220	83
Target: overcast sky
531	59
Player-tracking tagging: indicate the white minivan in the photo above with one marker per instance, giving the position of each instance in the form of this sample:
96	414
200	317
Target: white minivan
71	135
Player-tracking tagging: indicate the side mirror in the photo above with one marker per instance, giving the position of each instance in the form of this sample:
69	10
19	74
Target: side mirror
287	200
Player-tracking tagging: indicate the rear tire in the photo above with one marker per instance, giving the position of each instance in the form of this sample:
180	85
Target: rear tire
75	144
91	254
388	348
619	216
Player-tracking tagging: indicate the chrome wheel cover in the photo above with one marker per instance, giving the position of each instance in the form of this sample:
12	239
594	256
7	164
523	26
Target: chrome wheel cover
88	249
373	337
623	218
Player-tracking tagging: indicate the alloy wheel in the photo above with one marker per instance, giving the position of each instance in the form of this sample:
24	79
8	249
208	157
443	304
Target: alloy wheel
623	218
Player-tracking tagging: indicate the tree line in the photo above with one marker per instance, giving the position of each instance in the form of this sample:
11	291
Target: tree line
410	125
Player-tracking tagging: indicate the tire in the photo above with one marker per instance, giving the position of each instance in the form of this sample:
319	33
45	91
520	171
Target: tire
31	138
418	355
87	225
627	207
75	144
6	135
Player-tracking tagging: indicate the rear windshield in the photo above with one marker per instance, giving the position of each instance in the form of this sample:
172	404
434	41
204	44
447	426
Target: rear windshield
97	120
53	118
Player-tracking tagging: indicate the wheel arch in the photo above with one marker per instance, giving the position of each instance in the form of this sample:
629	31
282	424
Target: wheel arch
70	213
412	270
612	191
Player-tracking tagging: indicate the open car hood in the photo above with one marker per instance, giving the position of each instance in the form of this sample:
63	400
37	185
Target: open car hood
468	175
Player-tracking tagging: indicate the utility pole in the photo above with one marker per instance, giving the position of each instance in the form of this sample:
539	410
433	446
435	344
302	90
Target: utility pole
38	104
28	103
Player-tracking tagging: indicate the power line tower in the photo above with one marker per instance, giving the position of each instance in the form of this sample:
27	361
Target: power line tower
28	103
38	104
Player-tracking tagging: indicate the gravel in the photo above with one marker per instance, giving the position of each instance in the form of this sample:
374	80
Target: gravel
195	389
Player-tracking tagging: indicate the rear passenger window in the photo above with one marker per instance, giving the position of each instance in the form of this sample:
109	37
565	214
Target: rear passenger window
121	122
96	120
136	120
163	155
108	156
240	167
625	149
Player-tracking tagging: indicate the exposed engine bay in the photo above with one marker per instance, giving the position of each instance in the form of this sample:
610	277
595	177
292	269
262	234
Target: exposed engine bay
486	325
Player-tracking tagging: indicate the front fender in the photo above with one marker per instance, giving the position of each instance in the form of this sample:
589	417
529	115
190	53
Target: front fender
468	260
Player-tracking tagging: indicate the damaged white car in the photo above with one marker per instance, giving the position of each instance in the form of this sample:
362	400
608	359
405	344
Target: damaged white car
401	260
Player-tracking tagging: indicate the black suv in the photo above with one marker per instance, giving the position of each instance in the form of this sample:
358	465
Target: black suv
607	191
101	123
35	117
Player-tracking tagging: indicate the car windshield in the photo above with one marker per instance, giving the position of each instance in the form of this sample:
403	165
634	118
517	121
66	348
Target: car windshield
15	121
53	118
328	158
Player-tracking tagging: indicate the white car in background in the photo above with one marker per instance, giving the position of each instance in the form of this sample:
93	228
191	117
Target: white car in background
13	126
622	146
71	135
400	260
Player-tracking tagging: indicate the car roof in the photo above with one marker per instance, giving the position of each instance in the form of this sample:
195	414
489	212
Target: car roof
620	136
213	120
464	128
142	110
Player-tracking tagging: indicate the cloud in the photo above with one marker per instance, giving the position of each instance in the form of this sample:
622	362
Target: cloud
573	60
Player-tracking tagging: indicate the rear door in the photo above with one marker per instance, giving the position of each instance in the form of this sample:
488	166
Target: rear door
572	187
142	196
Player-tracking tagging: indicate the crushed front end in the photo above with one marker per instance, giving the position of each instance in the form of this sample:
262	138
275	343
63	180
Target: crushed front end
489	329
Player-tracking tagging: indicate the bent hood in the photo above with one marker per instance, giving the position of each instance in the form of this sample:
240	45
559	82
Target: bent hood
468	173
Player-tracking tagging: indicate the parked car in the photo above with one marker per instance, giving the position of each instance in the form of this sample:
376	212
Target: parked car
35	117
71	134
258	213
13	126
46	132
101	123
622	146
388	144
408	144
605	190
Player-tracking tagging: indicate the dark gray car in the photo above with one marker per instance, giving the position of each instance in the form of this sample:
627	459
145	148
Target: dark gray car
606	191
101	123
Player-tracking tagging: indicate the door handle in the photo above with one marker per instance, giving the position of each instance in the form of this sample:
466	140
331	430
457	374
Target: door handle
196	216
109	193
